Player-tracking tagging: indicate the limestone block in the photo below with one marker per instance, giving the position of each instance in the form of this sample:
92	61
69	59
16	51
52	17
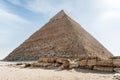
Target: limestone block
117	70
37	64
65	64
116	62
60	60
106	63
47	64
91	62
83	63
47	60
40	60
101	68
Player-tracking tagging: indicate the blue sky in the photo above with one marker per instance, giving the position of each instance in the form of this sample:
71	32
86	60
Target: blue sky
20	18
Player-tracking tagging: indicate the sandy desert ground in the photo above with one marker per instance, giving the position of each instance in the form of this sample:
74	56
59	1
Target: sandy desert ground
17	73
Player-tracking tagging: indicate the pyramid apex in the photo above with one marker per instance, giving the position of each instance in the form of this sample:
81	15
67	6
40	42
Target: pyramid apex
59	15
62	12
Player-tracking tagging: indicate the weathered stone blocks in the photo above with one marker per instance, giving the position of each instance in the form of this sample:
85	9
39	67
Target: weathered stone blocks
102	68
105	63
83	63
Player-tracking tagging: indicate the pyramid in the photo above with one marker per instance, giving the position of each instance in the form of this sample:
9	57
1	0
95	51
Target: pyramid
61	37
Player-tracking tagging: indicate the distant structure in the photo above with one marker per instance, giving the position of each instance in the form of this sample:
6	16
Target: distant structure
61	37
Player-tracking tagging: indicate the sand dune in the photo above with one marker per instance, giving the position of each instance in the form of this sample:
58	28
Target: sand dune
17	73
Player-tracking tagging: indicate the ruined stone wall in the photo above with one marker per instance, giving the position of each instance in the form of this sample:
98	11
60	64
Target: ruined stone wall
92	63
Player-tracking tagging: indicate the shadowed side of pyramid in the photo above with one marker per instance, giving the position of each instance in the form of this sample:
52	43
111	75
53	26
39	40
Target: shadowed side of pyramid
61	37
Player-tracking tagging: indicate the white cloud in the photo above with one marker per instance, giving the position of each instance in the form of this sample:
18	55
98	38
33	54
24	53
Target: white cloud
10	28
7	16
109	15
111	3
40	6
46	7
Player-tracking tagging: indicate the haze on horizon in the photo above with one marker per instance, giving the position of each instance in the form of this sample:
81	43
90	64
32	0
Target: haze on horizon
21	18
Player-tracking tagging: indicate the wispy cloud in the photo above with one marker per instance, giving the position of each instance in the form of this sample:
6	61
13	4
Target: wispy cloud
48	7
9	17
10	27
16	2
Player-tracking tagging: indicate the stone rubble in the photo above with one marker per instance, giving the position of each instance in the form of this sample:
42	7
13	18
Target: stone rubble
67	63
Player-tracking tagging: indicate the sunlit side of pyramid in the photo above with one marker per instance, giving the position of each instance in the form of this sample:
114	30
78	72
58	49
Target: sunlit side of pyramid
61	37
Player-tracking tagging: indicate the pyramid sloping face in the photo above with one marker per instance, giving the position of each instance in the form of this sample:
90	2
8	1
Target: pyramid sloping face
60	37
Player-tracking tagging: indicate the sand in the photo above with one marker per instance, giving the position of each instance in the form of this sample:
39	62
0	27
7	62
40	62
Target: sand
17	73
